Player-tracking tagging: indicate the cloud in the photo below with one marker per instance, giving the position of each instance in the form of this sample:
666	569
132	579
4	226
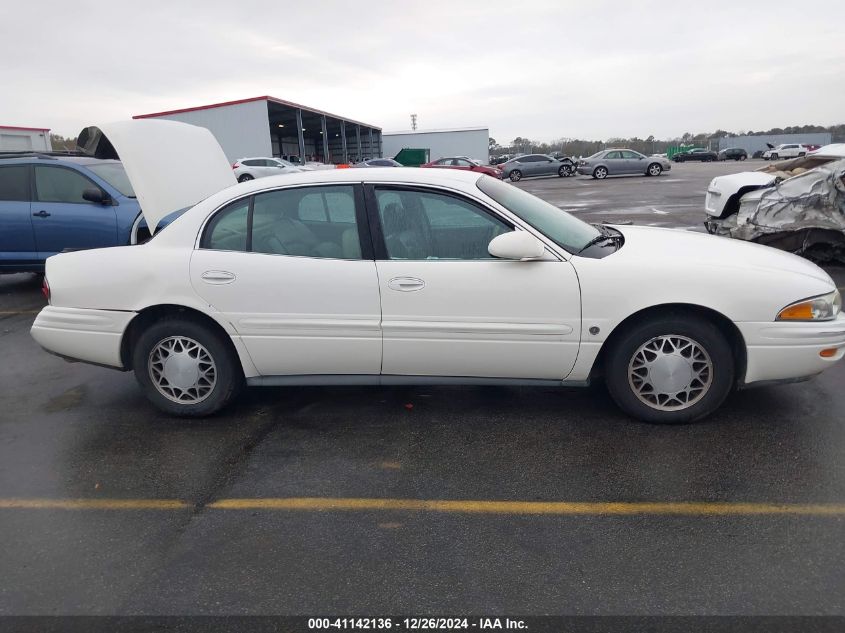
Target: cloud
590	70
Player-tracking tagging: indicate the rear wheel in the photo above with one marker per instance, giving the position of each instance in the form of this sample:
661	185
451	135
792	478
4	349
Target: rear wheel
654	169
515	175
671	369
185	368
245	178
600	173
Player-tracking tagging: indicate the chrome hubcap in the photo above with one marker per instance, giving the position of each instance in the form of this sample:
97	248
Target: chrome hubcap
182	370
655	170
670	373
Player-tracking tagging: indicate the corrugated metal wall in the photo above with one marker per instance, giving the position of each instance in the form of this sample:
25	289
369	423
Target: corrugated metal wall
242	129
472	143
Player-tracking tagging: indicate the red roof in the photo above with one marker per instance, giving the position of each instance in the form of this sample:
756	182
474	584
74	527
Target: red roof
29	129
223	104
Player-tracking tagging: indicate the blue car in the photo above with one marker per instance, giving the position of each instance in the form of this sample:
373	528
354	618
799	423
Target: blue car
51	203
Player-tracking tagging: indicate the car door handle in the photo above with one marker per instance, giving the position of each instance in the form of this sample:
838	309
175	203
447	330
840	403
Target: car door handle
218	277
41	214
406	284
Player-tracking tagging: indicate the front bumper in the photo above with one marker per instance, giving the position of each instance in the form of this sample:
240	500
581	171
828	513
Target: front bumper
92	336
781	350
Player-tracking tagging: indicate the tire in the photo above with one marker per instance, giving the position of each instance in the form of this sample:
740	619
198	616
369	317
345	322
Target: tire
654	170
564	171
600	173
742	157
212	355
515	175
802	154
773	157
673	339
245	178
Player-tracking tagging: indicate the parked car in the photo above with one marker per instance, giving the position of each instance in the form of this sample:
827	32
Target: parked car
529	165
464	163
697	153
794	204
249	168
733	153
616	162
54	202
786	150
456	278
379	162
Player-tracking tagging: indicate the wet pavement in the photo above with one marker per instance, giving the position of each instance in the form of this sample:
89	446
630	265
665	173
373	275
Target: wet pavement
163	541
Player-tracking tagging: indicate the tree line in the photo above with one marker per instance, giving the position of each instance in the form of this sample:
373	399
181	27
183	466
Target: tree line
649	145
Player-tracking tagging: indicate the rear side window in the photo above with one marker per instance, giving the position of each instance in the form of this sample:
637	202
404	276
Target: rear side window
58	184
14	183
227	230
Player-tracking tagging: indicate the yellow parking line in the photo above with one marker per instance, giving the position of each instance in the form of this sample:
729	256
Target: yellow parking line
532	507
93	504
467	506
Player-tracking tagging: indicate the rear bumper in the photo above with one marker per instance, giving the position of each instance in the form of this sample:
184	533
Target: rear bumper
92	336
781	351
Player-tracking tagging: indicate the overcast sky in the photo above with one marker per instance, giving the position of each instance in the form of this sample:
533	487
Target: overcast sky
534	68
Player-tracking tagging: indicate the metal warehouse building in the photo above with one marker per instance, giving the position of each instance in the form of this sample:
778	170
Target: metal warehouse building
473	142
753	144
13	138
267	126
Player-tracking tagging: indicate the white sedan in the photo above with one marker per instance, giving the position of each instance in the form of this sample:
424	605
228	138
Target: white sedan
401	276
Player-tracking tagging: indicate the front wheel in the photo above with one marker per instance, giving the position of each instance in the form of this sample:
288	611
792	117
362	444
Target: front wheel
670	370
185	368
600	173
654	169
565	170
515	175
774	156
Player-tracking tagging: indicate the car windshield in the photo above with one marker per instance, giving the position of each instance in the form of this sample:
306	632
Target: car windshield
115	175
562	228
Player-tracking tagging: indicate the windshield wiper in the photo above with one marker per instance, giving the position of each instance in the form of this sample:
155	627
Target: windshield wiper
604	236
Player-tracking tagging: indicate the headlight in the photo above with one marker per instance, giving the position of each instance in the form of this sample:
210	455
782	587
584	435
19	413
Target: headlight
823	308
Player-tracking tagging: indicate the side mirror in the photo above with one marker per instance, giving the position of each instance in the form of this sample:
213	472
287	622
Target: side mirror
516	245
96	195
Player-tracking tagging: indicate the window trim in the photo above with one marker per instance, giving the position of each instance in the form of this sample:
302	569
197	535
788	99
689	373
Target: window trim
361	220
377	233
34	185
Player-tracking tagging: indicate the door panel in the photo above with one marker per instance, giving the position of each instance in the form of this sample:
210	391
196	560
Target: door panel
450	309
298	305
17	241
480	318
62	219
297	315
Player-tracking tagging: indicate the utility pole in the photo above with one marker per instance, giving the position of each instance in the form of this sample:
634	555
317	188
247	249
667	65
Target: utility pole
413	121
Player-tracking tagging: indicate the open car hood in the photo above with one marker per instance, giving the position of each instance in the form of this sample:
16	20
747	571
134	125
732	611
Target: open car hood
171	165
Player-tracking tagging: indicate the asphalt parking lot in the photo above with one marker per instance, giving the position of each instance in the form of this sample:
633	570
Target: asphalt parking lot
418	500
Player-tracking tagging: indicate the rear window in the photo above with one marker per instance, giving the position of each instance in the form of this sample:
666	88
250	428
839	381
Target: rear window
115	175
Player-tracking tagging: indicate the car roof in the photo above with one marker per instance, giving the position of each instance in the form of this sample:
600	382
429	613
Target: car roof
57	159
376	174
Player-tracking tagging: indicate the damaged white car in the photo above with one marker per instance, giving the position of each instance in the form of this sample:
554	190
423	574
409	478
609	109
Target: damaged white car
796	205
421	276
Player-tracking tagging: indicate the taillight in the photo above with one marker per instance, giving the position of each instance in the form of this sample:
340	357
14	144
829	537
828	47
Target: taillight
235	165
45	289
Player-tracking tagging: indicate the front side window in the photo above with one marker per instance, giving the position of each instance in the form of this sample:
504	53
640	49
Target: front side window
57	184
14	183
428	225
307	222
